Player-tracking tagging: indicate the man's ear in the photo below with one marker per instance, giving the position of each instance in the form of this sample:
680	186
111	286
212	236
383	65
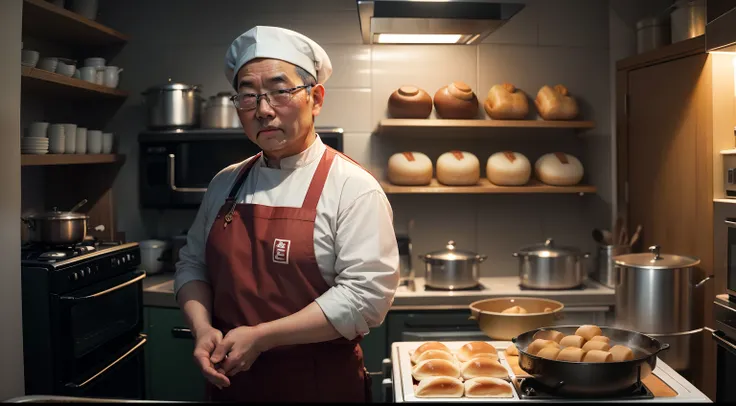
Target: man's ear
318	96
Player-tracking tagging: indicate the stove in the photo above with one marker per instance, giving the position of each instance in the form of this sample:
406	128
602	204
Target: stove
531	389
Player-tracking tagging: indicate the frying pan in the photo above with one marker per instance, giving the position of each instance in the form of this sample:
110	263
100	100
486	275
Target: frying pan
592	379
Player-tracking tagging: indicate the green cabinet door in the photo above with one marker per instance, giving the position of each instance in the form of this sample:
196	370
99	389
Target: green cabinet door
170	370
374	351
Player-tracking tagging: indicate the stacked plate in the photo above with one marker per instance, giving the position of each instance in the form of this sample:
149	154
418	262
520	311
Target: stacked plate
34	145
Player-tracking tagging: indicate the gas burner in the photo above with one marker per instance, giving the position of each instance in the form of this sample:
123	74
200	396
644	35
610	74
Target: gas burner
530	388
52	253
478	287
580	287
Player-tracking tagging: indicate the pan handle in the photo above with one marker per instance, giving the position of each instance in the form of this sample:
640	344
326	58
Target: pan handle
664	347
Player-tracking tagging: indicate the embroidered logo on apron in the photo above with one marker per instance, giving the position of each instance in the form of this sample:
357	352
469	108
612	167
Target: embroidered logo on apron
281	251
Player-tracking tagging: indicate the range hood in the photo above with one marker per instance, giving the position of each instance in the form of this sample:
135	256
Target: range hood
720	31
432	21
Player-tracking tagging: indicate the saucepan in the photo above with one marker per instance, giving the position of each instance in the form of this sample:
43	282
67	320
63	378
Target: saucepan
57	227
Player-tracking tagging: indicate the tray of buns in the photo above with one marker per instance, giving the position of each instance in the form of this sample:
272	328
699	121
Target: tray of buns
456	370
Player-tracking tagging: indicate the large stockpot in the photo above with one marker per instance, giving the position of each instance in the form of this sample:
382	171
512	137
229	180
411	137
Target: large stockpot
592	379
654	291
547	266
173	106
452	269
220	112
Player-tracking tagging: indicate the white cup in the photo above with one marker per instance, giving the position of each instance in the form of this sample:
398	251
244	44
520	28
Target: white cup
56	130
88	74
95	62
56	138
107	139
70	138
94	141
86	8
38	129
29	57
100	76
48	64
81	141
112	76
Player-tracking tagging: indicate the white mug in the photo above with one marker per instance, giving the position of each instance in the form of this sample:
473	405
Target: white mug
107	139
94	141
38	129
112	76
81	141
56	138
70	138
100	75
88	74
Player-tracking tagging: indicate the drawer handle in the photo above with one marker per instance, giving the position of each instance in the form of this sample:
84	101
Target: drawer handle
181	332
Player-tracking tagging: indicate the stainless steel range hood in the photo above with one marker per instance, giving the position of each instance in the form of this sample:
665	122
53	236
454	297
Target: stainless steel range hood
720	31
432	21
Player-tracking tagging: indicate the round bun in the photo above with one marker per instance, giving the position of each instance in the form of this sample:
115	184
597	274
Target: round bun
596	345
435	367
572	341
548	352
456	101
410	169
597	356
515	310
506	102
474	349
483	367
440	387
571	354
409	102
621	353
553	335
512	350
559	169
508	169
588	331
538	344
434	354
601	338
429	345
488	387
458	168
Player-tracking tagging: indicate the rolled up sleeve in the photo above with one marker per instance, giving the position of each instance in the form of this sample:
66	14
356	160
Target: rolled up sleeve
191	265
366	263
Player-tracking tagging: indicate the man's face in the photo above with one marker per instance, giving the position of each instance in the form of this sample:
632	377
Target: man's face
281	130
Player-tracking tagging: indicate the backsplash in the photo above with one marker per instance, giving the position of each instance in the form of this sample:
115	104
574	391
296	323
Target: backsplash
548	42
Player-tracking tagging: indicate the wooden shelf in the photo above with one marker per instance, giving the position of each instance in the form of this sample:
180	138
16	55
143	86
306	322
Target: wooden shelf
59	85
484	186
44	20
443	123
69	159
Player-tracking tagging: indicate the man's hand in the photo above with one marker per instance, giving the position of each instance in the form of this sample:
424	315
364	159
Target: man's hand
237	351
206	342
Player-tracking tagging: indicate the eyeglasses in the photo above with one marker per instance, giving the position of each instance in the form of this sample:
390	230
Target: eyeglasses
281	97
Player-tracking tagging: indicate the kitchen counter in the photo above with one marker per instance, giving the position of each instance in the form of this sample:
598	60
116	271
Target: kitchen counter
158	290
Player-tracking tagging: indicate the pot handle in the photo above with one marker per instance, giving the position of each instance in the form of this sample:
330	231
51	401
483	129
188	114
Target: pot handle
29	223
474	315
699	284
515	255
481	258
586	255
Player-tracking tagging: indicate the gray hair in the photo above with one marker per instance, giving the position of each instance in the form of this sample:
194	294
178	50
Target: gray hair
306	77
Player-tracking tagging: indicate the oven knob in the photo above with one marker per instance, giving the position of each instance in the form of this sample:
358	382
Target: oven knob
75	276
81	273
89	271
123	259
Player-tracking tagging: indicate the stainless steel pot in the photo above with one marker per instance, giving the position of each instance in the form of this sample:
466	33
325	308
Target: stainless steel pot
687	19
57	227
654	292
546	266
452	269
220	112
173	105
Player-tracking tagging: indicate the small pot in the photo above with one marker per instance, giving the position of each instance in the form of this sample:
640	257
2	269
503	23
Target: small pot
220	112
452	269
547	266
173	106
57	227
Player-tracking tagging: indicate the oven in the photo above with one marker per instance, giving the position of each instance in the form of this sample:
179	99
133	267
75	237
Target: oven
731	261
724	312
177	166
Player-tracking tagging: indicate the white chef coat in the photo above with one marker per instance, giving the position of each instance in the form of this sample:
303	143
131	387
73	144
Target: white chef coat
354	239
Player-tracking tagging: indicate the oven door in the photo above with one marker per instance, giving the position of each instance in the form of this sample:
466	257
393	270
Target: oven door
731	264
725	367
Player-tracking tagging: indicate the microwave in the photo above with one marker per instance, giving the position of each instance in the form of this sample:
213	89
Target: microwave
731	261
176	166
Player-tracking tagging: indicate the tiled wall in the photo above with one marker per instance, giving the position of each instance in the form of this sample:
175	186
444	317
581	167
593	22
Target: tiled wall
549	42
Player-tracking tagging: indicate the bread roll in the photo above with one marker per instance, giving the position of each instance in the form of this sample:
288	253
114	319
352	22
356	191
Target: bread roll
456	101
588	331
596	345
508	169
474	349
558	169
409	169
556	103
505	102
621	353
434	354
409	102
515	368
483	367
572	341
538	344
548	352
435	367
512	350
488	387
548	309
602	338
515	310
597	356
440	387
458	168
571	354
429	345
553	335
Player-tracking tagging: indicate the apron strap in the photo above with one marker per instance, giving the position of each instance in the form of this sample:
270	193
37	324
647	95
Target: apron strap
242	176
318	180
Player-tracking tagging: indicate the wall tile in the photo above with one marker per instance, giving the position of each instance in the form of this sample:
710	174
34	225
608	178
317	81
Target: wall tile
351	66
573	23
347	108
358	147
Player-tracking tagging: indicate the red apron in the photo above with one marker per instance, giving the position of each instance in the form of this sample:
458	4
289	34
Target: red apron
262	267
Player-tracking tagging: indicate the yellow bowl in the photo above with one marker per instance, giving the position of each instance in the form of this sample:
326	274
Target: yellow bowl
505	326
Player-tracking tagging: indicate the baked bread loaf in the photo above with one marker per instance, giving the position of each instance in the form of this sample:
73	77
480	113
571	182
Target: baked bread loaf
538	344
488	387
601	338
553	335
548	309
571	354
440	387
515	310
458	168
512	350
572	341
621	353
588	331
410	169
456	101
409	102
505	102
559	169
548	352
596	345
435	367
429	345
597	356
508	169
483	367
475	349
435	354
555	103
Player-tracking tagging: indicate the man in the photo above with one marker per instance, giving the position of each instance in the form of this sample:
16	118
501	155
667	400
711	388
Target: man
292	257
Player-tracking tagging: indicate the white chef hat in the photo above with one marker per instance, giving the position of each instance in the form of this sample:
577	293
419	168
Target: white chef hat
277	43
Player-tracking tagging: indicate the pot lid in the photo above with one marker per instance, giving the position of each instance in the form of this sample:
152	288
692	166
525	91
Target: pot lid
55	214
549	250
172	86
450	253
655	260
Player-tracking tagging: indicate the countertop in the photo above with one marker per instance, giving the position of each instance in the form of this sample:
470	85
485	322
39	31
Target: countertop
158	290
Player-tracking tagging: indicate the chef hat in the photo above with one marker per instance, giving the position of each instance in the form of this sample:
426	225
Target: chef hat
277	43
